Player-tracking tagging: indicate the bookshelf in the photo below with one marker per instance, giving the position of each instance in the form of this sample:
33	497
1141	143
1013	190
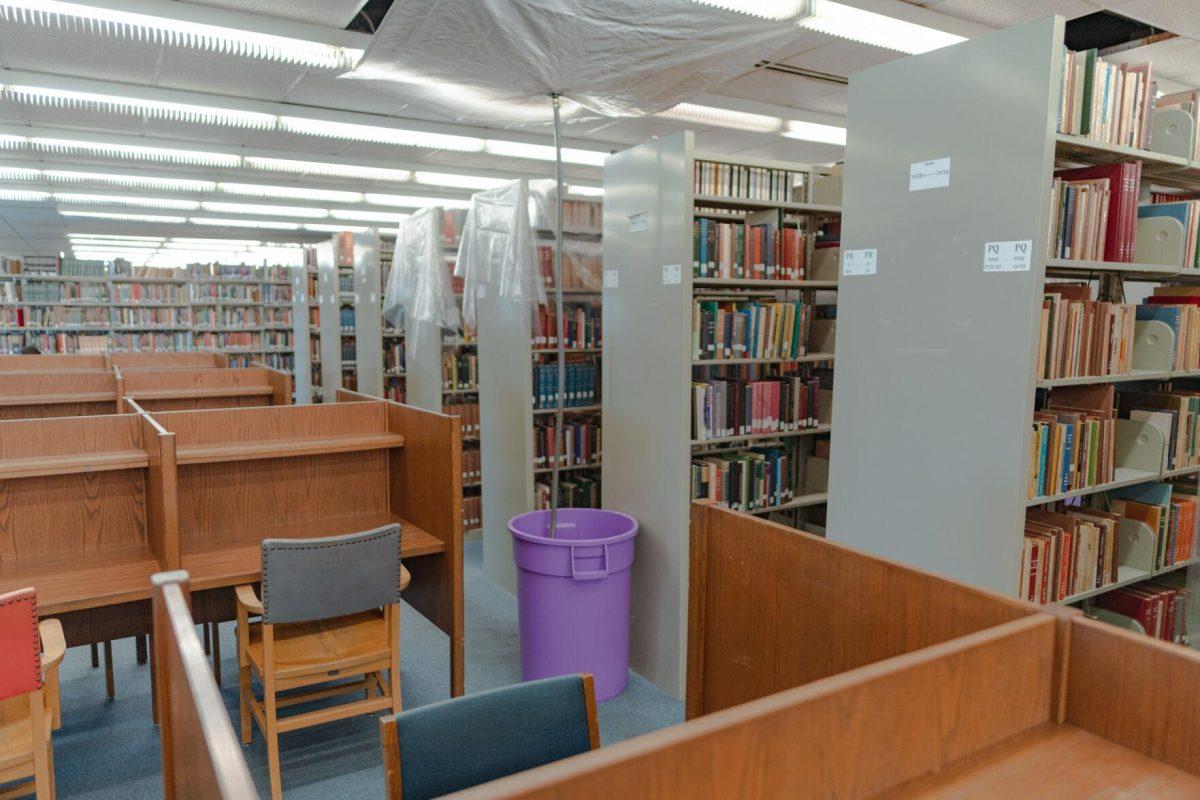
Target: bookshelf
516	348
647	394
947	359
427	348
349	330
69	305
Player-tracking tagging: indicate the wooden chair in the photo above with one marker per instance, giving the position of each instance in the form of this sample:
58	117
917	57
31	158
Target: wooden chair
465	741
29	656
330	610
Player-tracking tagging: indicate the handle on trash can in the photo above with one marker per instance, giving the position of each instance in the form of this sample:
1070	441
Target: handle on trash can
591	574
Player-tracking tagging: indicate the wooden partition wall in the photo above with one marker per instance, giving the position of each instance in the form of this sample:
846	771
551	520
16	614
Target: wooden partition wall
890	682
90	507
202	756
72	386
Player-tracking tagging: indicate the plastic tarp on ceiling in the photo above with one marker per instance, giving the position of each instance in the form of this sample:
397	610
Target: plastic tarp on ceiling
419	288
493	62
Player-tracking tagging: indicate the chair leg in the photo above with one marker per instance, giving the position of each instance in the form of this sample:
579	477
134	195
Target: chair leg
95	655
272	736
207	642
110	687
216	651
50	770
40	737
140	643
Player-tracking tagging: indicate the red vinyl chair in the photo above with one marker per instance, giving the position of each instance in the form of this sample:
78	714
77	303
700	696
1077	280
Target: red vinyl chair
29	710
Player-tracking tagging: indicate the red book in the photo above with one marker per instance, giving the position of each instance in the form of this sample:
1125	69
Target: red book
1123	182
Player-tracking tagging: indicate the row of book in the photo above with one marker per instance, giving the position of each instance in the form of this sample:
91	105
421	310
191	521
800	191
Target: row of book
460	370
1080	336
349	353
748	249
581	384
394	391
472	512
1073	441
729	329
1078	549
277	339
150	293
393	355
1158	605
1094	212
8	292
66	316
226	316
1176	413
228	341
226	293
575	490
277	294
472	466
148	315
583	264
582	214
151	342
1106	101
279	317
56	292
753	479
580	326
752	183
346	319
723	408
1178	307
580	443
468	415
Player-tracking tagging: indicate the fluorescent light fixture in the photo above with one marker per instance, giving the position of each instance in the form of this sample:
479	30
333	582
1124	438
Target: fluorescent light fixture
722	117
126	200
764	9
323	168
116	237
815	132
208	240
324	227
858	25
366	216
20	174
585	191
459	181
378	133
160	109
246	223
126	151
414	201
122	217
290	192
22	195
255	208
132	181
164	30
543	152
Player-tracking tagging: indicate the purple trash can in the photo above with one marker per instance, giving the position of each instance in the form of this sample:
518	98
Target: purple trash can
573	594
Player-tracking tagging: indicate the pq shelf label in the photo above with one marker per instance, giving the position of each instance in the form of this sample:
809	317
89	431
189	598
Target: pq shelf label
1008	256
859	262
933	174
612	279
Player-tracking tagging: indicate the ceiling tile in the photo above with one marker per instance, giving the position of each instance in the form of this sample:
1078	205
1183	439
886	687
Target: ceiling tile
226	76
832	103
77	55
352	95
1170	58
1177	16
332	13
767	86
1003	13
844	58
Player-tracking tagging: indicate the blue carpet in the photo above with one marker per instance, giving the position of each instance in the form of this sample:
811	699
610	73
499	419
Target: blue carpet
111	749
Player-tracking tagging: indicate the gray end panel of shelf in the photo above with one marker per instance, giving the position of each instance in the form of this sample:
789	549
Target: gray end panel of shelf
934	390
330	326
301	360
645	392
505	426
368	314
423	365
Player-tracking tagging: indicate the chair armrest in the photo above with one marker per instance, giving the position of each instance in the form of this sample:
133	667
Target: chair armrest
53	644
248	599
405	578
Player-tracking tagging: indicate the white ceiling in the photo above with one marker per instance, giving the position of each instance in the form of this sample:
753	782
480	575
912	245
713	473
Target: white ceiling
58	51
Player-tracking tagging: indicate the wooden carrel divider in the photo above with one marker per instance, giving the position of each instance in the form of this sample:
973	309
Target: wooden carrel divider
816	671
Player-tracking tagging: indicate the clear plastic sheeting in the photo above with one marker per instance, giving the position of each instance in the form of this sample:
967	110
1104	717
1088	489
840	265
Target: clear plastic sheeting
419	288
581	253
496	61
497	252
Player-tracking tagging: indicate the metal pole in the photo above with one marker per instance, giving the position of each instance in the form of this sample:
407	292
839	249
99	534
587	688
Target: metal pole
558	322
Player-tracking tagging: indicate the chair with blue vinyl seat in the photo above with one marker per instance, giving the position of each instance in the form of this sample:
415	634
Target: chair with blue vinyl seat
463	742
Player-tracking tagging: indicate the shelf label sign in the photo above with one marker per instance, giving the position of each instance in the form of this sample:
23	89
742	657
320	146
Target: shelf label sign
1008	256
612	279
933	174
859	262
672	274
637	222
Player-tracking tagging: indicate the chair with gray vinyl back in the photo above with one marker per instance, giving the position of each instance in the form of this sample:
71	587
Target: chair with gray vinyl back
455	744
329	612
